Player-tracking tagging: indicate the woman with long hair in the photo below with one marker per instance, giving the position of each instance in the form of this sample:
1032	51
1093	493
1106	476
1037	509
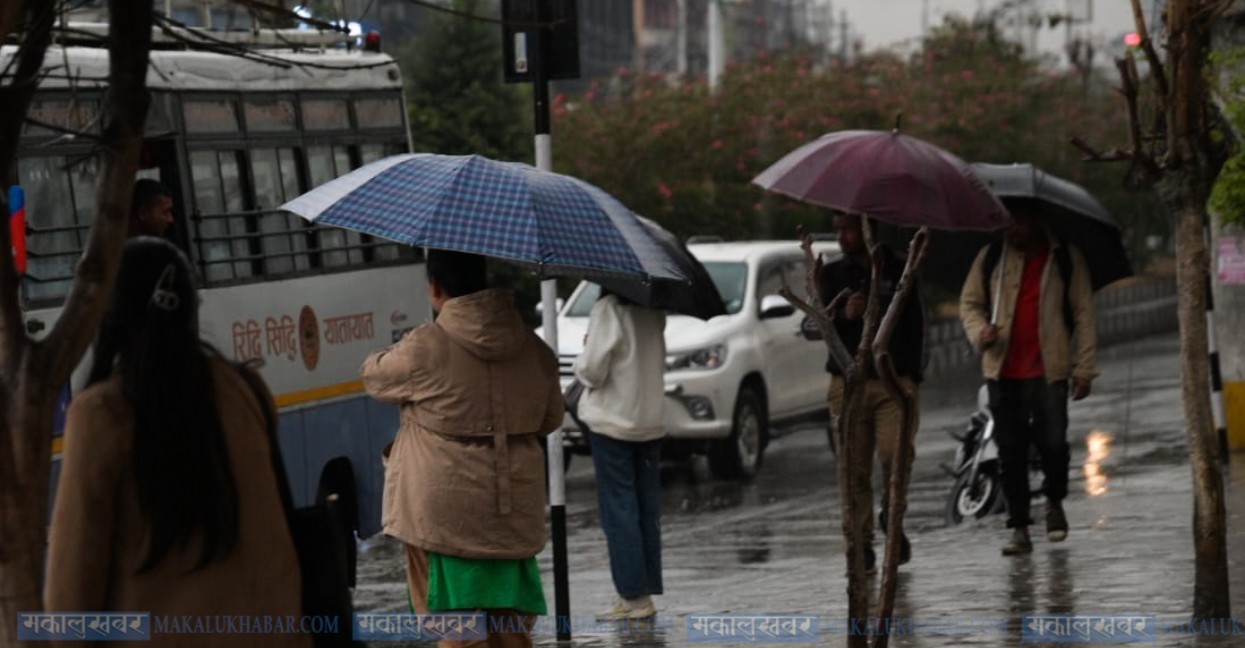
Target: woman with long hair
168	500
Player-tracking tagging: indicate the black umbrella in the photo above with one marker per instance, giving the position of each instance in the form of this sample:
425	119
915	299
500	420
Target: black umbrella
698	297
1071	212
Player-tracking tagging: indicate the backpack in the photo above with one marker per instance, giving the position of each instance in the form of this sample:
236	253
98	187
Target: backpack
1063	260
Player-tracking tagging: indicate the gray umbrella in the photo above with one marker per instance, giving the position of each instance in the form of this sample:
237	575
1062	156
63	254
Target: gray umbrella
1071	212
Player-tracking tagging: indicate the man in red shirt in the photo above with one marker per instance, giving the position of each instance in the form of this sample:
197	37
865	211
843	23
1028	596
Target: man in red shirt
1033	321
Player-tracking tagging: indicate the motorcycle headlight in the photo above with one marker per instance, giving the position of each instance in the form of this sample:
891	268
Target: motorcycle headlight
710	357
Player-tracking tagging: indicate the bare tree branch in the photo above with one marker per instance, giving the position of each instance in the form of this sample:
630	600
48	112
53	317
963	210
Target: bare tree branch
821	315
64	131
898	491
1144	166
206	42
15	99
1147	46
850	414
1216	10
1094	155
129	45
873	309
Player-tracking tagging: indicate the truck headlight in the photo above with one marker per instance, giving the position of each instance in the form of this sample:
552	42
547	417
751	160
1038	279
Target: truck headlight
710	357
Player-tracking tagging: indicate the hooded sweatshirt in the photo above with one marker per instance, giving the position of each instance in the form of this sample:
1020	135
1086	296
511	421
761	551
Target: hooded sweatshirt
477	389
623	367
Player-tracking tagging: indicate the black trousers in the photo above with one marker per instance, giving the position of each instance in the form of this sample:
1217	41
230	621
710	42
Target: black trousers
1030	413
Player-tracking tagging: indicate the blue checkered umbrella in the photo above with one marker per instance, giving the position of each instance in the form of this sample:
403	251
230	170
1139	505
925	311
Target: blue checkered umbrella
560	225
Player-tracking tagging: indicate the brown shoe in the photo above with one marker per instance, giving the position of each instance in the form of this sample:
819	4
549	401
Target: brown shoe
1056	522
1019	544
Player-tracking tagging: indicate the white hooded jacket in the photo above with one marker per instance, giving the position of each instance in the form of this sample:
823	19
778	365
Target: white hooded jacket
623	368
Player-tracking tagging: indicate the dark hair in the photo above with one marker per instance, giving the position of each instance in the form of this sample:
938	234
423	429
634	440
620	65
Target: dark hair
458	273
146	191
150	334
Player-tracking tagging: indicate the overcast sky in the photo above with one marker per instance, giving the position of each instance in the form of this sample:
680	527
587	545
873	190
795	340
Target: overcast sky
885	22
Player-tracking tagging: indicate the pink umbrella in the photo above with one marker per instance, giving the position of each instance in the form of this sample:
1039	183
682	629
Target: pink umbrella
888	176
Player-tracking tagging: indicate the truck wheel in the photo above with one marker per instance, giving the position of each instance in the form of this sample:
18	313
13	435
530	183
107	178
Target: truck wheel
739	455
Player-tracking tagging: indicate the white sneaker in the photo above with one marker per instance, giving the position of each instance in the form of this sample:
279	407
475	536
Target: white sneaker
623	609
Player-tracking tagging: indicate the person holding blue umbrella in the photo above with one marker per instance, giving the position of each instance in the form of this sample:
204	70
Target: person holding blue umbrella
555	224
464	478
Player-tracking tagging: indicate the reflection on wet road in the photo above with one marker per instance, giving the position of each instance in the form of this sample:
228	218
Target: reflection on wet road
1098	449
775	545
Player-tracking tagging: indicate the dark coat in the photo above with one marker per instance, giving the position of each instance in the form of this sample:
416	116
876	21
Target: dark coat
908	343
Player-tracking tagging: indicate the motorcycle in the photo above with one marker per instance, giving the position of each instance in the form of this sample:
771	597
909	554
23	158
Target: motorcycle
978	488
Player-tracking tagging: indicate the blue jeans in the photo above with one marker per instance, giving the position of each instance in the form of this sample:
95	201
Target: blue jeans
629	497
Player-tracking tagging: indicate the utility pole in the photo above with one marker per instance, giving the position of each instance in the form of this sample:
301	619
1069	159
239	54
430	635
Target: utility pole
681	55
924	19
545	47
843	35
716	45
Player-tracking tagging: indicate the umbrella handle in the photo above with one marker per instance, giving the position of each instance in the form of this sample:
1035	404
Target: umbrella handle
998	286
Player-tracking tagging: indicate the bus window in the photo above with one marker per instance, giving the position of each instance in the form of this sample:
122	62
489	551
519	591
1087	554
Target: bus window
284	235
378	113
210	116
217	193
79	115
57	229
325	114
231	183
369	153
275	115
326	163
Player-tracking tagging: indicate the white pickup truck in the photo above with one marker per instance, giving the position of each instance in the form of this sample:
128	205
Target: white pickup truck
730	380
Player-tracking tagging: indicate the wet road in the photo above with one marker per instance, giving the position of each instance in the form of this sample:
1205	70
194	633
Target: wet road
775	545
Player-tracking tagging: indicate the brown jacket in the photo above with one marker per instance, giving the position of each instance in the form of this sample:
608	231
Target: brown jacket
465	476
1058	355
98	537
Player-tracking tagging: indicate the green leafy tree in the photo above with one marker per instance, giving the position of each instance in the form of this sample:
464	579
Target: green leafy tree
1228	197
686	158
459	104
458	101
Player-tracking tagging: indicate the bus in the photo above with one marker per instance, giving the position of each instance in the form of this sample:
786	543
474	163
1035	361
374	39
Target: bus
235	137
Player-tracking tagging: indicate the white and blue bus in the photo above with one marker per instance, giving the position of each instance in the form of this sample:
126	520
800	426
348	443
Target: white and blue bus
234	138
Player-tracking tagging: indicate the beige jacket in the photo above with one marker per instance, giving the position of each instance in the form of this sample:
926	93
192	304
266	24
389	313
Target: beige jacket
478	390
1061	358
98	536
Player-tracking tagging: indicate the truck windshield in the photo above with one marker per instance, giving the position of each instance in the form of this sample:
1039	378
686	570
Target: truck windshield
731	279
582	305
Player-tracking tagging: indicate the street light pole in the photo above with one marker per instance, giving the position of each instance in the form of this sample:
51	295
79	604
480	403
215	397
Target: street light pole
716	44
549	317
